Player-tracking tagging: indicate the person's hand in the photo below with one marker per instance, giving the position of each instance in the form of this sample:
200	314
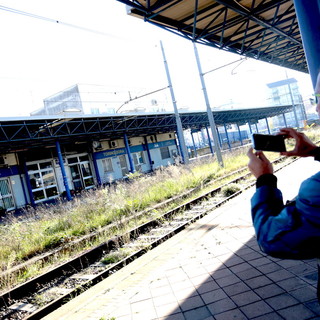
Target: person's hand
304	147
259	163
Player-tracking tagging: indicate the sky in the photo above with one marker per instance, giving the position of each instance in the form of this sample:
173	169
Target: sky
97	43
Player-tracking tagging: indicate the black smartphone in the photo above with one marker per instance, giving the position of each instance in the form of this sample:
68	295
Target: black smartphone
268	142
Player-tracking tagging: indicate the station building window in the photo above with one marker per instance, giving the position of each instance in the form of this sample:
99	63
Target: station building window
165	153
43	181
107	165
81	172
138	160
6	197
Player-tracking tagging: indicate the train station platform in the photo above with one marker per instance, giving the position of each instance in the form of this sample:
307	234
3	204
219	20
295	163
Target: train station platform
213	269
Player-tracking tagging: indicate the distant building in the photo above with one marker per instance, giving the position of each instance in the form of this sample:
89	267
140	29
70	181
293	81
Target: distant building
94	99
286	92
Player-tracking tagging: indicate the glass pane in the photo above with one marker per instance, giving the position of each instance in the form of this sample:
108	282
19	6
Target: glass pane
75	172
107	165
141	157
45	165
77	185
4	187
38	195
35	180
164	152
8	202
48	178
73	160
51	192
135	159
31	167
84	158
88	182
86	170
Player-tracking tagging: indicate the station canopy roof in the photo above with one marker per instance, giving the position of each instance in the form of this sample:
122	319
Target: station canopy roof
265	30
22	134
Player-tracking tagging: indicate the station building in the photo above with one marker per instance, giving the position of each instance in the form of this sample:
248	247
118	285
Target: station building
43	158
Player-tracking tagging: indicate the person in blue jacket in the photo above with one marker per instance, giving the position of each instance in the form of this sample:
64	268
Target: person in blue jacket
286	230
289	231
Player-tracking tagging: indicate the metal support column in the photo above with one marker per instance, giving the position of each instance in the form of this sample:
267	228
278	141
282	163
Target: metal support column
219	138
240	137
284	120
308	15
227	136
148	153
63	171
268	126
29	187
257	127
293	104
209	111
182	144
126	143
250	129
209	141
202	136
194	145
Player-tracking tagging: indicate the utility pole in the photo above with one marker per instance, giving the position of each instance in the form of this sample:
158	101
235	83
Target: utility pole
182	145
209	111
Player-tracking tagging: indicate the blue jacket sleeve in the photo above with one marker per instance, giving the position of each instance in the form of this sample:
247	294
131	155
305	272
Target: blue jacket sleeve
288	231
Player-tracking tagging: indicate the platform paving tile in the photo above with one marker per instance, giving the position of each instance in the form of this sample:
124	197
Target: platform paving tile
268	291
298	312
245	298
258	282
201	313
236	288
212	270
304	294
281	301
235	314
256	309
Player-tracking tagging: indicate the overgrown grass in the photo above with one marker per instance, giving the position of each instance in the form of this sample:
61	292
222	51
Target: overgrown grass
49	226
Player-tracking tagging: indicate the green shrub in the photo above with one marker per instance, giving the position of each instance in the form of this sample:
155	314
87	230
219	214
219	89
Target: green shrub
229	190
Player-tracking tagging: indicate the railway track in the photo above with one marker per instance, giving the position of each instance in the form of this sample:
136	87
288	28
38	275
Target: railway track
39	296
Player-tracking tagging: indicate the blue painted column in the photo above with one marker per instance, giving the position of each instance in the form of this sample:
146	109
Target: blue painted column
209	141
308	15
227	136
250	129
268	125
63	171
148	152
284	120
125	138
240	137
194	145
28	182
96	169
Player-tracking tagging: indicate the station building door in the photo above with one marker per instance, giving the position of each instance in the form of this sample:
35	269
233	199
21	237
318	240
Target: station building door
6	197
123	165
81	172
42	180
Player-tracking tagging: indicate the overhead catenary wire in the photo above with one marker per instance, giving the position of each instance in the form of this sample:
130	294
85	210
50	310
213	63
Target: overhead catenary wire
35	16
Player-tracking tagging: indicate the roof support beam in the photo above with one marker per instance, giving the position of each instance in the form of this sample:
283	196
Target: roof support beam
235	6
